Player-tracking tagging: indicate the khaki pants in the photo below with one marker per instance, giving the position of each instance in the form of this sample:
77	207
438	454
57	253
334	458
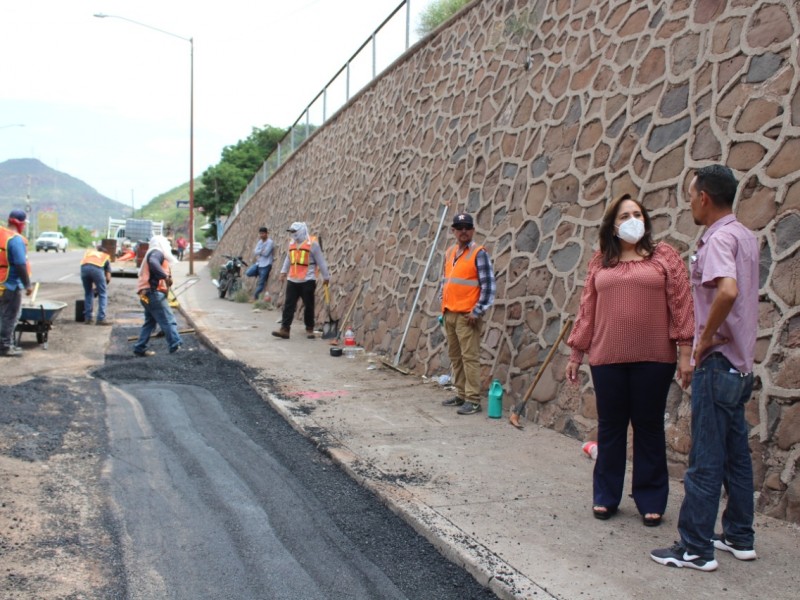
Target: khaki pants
464	347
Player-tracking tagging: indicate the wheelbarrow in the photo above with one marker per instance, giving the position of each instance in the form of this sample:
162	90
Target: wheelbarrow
38	319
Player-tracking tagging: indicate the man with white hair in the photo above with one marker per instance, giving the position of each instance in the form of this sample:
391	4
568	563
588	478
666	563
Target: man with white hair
300	268
155	279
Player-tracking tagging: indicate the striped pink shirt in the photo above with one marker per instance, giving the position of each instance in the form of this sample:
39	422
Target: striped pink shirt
636	311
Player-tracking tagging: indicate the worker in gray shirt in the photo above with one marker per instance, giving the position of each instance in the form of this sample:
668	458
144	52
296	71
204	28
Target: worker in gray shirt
263	255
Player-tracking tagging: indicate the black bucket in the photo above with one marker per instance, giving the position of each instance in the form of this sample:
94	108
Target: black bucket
80	306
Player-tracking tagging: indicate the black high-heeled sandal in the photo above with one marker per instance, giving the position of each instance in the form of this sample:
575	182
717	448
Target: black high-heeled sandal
604	513
652	521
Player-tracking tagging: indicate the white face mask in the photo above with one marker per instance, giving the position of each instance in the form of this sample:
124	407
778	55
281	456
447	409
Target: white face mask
631	230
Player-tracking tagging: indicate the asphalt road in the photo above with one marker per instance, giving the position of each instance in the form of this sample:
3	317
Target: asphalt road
199	489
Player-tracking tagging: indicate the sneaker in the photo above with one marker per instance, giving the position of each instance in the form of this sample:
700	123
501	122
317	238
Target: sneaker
104	322
310	334
677	556
469	408
454	401
175	349
740	552
143	354
12	351
88	322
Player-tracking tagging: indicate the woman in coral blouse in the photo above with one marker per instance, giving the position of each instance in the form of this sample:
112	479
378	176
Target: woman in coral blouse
635	322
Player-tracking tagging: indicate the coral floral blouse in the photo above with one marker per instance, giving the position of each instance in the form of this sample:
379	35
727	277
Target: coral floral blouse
635	311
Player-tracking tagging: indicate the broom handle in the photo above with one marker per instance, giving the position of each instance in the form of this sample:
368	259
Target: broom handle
546	362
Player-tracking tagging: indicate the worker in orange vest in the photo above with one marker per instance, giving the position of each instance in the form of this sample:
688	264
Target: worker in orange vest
15	276
468	290
300	269
95	276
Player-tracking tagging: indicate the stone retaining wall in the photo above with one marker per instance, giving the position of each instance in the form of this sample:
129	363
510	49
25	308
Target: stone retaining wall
531	115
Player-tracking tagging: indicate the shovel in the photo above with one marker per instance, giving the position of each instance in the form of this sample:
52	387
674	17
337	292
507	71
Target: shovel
517	411
330	329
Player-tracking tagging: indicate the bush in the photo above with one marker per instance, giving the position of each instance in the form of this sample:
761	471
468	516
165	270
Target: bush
437	13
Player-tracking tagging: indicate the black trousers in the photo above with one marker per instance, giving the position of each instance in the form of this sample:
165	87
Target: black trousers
304	291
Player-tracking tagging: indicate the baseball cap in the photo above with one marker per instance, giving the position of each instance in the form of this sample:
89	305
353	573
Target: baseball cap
18	215
295	227
463	219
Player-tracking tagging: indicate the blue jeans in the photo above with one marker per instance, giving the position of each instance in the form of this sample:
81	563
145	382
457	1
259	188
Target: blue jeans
94	277
720	456
158	312
263	275
10	307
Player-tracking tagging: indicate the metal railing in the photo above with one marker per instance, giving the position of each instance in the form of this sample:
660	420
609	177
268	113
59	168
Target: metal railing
358	72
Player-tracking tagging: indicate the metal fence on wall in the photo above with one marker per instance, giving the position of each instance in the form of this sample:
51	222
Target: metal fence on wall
360	69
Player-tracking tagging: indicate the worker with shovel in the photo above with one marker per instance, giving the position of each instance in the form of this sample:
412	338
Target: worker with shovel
468	290
95	277
300	268
15	276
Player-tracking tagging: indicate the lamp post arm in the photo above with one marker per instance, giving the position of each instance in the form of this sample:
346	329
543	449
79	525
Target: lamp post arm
105	16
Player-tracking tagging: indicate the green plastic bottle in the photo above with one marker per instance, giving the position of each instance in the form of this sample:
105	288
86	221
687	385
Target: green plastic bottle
495	400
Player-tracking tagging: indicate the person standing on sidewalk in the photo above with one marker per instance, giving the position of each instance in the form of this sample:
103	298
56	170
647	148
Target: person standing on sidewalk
635	323
264	256
95	276
468	290
155	279
15	276
300	269
725	285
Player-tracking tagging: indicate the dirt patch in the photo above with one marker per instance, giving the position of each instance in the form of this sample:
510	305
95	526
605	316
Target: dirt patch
56	536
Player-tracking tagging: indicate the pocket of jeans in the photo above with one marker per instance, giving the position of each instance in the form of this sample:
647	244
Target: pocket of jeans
728	387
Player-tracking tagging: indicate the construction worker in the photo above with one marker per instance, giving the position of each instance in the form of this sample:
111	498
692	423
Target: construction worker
468	290
300	268
155	279
15	276
95	276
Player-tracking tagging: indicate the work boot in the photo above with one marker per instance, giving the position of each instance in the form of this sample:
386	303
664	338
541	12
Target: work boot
283	332
310	334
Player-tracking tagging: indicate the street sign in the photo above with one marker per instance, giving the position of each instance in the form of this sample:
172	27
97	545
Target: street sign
181	204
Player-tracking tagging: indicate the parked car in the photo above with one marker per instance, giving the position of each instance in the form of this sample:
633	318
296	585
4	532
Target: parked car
51	240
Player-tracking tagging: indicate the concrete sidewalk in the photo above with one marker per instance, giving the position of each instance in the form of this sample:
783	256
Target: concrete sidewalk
513	507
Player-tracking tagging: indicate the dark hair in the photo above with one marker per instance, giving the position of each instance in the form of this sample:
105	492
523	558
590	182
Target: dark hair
609	243
263	230
719	183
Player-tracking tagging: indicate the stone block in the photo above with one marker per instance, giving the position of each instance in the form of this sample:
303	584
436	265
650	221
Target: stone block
743	156
785	161
770	25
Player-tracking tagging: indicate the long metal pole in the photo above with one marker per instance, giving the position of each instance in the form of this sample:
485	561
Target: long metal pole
191	155
419	290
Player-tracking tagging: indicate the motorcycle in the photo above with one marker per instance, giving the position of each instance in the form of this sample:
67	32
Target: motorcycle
230	276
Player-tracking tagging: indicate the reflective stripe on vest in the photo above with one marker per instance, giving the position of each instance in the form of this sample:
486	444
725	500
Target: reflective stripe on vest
5	237
299	258
462	289
95	257
143	283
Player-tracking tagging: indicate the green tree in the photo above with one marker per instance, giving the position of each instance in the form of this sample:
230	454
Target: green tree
223	183
436	13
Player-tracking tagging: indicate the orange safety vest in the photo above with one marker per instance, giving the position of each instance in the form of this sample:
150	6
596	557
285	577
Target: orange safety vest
95	257
5	236
299	258
462	289
143	284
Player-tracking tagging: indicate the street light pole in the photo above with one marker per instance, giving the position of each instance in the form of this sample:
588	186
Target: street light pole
191	123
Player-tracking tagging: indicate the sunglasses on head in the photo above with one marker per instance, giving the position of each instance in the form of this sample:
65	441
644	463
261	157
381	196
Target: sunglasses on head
462	227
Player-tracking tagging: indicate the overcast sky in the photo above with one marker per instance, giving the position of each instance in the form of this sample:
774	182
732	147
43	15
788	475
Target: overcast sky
107	100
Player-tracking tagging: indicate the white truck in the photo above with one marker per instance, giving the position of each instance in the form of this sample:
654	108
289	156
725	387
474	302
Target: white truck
127	241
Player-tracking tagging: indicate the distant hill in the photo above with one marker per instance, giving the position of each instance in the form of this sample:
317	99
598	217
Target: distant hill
76	203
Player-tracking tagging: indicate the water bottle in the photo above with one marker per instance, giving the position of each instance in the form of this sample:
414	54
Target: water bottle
495	400
349	344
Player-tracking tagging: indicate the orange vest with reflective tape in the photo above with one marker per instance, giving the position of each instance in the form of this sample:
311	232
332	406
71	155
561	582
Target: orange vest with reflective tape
299	258
5	236
462	289
95	257
143	283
